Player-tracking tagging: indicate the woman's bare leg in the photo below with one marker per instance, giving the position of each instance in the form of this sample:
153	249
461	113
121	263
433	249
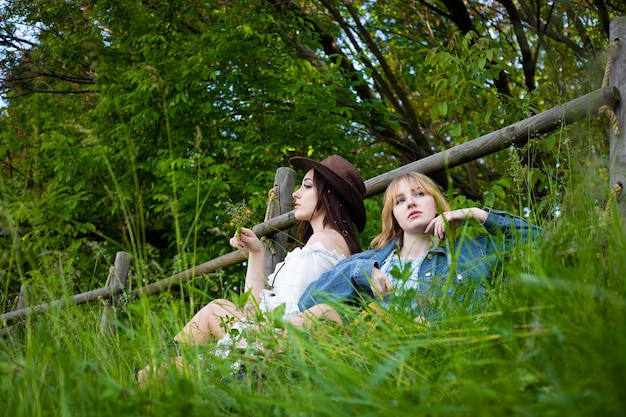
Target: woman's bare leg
210	322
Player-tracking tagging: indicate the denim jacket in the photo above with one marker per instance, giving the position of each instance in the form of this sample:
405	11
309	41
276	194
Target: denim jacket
471	259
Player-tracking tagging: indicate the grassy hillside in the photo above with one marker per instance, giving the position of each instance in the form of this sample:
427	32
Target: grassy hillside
550	340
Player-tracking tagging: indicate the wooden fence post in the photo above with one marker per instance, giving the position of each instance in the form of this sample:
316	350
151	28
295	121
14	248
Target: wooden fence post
280	202
118	275
617	36
22	299
21	302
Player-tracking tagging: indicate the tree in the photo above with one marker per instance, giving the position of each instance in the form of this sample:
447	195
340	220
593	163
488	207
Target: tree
136	120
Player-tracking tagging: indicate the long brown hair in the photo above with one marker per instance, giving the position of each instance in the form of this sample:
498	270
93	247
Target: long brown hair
391	228
336	214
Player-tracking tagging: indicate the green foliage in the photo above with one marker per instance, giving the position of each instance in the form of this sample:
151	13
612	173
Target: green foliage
129	125
550	341
135	122
459	72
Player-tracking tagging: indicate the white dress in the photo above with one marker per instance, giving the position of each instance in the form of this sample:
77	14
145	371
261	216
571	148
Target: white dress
292	276
287	284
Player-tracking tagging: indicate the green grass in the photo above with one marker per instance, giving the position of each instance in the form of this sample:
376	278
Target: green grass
551	341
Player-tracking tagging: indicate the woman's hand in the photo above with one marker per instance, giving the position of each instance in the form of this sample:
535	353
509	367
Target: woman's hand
247	240
381	284
438	225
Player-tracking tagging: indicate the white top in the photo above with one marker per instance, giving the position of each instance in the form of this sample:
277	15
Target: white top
292	276
403	279
408	289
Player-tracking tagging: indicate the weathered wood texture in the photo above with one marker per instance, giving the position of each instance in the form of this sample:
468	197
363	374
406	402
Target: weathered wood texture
117	279
21	303
213	265
116	286
618	139
532	127
77	299
281	202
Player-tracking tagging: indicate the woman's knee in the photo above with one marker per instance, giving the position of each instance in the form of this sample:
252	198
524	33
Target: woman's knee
143	375
221	308
220	303
219	316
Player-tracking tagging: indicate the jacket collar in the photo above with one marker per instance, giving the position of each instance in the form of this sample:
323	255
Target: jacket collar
394	244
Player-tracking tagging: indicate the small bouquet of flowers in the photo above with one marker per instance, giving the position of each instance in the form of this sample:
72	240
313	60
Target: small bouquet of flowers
239	214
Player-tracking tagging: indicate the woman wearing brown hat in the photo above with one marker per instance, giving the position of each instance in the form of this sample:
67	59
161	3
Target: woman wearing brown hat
328	205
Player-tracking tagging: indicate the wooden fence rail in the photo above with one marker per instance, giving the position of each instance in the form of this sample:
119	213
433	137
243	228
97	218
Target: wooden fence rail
520	132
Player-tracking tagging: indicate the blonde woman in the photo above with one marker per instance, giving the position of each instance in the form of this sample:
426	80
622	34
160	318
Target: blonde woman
416	242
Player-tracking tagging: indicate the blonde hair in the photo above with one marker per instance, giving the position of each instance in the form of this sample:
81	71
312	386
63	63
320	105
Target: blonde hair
391	228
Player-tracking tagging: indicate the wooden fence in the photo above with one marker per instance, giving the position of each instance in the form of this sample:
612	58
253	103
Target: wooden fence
605	101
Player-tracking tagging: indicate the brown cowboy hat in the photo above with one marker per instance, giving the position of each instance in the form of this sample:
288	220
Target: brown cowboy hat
344	178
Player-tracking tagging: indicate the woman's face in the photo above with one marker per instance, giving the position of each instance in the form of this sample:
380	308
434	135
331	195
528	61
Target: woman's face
305	198
413	208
